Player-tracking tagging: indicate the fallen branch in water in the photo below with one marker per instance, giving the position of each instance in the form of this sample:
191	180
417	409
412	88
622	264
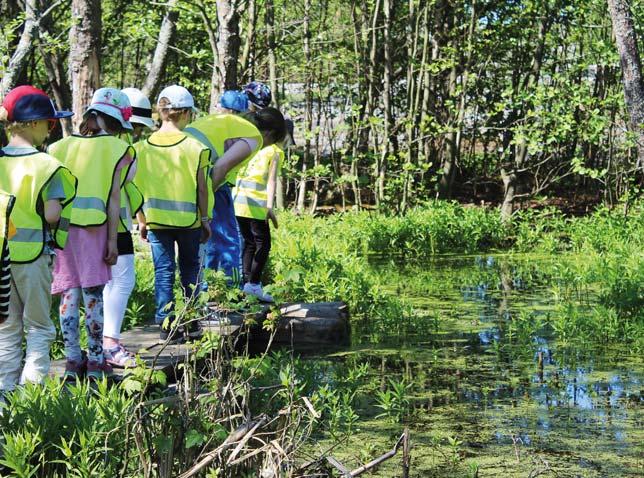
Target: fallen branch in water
373	463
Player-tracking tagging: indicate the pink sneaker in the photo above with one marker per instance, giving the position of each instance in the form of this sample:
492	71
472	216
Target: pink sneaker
97	371
119	357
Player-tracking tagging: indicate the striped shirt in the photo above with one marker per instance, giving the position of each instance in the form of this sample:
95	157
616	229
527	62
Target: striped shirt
5	282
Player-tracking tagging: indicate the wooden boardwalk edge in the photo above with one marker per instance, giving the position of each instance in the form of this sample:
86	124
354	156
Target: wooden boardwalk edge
301	325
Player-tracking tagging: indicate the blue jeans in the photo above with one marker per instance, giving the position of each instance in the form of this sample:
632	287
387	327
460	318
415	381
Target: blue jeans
162	242
224	249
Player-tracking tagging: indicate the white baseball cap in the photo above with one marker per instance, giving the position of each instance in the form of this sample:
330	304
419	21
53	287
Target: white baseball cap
178	97
141	107
112	102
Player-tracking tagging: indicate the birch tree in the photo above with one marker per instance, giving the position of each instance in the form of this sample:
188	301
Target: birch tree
159	59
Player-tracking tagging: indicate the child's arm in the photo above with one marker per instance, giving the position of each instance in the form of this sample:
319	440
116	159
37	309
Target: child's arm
113	210
231	158
203	205
270	189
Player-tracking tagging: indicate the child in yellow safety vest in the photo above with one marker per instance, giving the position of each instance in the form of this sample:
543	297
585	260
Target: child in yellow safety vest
44	191
118	290
253	198
100	160
172	178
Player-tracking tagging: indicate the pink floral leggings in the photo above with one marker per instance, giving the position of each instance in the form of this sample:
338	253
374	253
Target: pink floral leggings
70	318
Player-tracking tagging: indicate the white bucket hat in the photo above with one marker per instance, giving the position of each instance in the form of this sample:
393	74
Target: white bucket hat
112	102
141	107
178	97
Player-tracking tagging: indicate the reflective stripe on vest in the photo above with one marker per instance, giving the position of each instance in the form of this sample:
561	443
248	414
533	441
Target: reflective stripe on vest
28	235
167	205
167	178
89	203
28	176
93	159
252	185
245	200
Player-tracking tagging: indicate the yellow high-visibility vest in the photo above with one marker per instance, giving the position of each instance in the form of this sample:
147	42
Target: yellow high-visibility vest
26	177
250	194
131	197
167	178
92	159
132	200
6	204
214	130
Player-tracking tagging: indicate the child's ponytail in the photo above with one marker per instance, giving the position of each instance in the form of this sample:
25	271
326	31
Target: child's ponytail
95	121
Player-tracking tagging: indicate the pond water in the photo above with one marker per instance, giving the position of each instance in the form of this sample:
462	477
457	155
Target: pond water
492	392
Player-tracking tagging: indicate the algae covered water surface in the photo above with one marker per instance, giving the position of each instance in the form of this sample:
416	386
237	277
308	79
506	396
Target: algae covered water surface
484	381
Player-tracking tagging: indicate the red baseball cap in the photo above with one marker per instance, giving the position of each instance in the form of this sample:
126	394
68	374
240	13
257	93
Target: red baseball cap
26	103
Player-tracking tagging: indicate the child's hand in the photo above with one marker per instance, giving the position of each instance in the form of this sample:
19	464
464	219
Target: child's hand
143	232
273	218
205	232
112	253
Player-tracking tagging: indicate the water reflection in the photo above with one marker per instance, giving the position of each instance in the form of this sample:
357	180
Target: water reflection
491	352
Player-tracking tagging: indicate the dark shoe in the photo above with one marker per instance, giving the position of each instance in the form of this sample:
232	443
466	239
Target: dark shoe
172	334
194	330
98	371
74	370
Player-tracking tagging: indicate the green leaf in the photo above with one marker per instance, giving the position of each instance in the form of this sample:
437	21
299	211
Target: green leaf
194	438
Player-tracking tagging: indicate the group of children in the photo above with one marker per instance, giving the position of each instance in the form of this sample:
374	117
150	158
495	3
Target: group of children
197	185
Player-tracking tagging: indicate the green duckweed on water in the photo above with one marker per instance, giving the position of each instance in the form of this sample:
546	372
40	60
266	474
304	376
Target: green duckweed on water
491	391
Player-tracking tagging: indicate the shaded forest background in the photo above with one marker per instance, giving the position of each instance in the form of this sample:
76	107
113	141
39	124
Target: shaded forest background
395	102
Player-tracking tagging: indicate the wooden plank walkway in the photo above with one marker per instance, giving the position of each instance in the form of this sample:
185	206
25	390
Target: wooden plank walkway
303	326
145	342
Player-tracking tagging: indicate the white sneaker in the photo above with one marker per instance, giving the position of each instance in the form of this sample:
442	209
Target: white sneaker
257	291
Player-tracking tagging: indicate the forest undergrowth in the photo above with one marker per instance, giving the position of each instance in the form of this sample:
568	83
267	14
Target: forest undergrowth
281	403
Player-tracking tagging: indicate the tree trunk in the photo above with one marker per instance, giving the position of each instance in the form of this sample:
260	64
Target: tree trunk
55	69
84	54
269	21
20	56
388	143
509	178
372	79
626	39
248	54
225	75
157	67
509	173
451	149
308	105
212	40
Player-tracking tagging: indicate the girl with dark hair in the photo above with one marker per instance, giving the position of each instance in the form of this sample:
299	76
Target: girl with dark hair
253	199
